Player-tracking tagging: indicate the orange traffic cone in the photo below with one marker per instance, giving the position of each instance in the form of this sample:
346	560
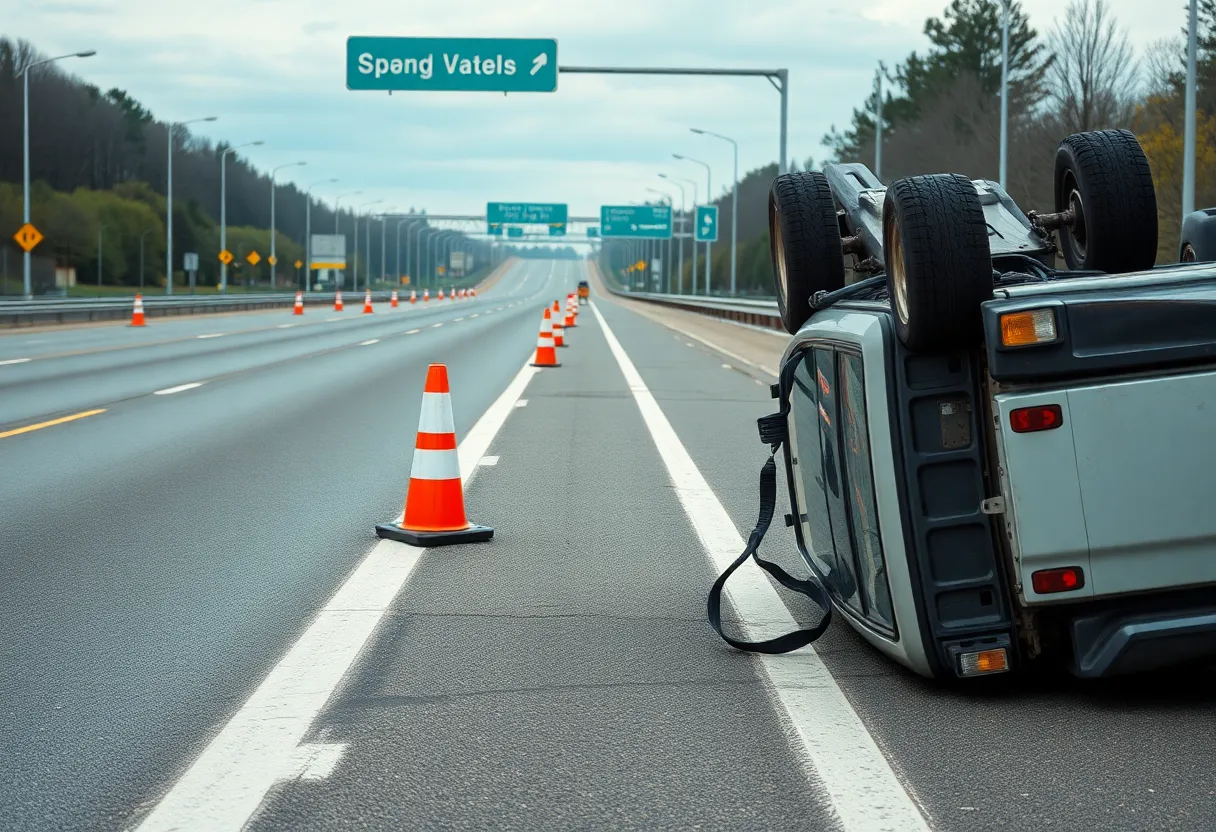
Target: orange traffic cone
472	293
338	302
299	310
434	504
137	314
452	293
426	295
393	302
569	312
559	332
413	295
441	294
546	355
367	303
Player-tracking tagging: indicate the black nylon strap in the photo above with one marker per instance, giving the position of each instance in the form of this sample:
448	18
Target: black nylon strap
812	590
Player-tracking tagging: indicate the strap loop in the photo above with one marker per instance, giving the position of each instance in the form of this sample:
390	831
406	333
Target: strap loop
809	588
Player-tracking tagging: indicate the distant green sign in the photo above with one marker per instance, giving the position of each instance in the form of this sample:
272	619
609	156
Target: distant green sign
515	231
451	64
494	228
641	221
707	224
593	231
557	230
539	213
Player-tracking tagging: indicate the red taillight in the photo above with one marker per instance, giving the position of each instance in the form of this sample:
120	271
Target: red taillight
1047	581
1039	417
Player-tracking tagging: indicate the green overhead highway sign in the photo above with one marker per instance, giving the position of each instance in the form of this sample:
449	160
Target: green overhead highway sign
707	223
557	229
451	64
515	231
593	231
494	228
540	213
645	221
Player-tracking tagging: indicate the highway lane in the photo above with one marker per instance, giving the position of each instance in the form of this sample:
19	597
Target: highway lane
157	559
123	362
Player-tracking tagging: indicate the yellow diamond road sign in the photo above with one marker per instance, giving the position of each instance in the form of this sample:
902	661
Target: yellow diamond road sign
226	257
254	258
299	263
27	237
272	260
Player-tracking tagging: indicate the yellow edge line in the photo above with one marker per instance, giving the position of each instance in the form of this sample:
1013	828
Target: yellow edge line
53	422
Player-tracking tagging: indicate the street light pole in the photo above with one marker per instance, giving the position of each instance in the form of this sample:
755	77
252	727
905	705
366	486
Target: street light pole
25	159
734	208
1005	92
407	257
709	190
693	270
224	208
274	260
683	223
369	219
417	249
338	199
1188	141
667	270
878	121
308	229
169	203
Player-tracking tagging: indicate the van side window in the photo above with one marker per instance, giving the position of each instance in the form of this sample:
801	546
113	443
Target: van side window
844	575
855	442
816	532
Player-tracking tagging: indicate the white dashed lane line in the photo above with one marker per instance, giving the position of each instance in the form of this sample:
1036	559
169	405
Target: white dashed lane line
212	335
181	388
436	326
488	461
14	361
413	332
369	343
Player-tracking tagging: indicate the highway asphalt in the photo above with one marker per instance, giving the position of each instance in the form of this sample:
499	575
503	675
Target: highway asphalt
161	559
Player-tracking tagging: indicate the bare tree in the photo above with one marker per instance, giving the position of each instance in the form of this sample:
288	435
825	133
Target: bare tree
1093	79
1160	66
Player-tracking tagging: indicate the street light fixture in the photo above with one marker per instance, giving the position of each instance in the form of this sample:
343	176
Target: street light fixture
734	209
224	207
274	260
308	228
25	164
169	203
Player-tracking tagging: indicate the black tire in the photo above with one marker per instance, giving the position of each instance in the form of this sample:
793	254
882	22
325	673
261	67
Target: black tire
1105	177
939	266
805	243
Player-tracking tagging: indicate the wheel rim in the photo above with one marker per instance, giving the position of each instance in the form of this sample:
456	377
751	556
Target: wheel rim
1077	234
899	275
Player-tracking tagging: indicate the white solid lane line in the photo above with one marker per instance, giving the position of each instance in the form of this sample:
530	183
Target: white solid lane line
169	391
14	361
369	343
260	744
827	733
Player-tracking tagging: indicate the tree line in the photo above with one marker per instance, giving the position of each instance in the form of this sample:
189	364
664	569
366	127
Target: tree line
99	168
941	113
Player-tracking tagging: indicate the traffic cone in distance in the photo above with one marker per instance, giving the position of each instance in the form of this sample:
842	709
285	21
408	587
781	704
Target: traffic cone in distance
472	293
559	332
452	293
338	302
137	314
569	313
393	302
546	354
434	503
299	310
367	303
413	295
426	295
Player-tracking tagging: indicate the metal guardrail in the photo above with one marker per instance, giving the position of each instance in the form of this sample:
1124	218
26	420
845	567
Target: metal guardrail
18	313
755	312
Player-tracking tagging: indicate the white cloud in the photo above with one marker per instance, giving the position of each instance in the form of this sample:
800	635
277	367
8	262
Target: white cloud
274	70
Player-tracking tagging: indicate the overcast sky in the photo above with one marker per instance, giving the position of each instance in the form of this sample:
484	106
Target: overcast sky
275	70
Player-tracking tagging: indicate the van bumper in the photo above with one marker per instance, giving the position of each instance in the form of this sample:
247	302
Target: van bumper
1149	635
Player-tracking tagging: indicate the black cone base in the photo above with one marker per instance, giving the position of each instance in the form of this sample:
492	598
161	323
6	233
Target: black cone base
473	534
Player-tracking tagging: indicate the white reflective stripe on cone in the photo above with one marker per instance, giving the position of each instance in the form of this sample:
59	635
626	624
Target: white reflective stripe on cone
435	465
541	342
436	414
